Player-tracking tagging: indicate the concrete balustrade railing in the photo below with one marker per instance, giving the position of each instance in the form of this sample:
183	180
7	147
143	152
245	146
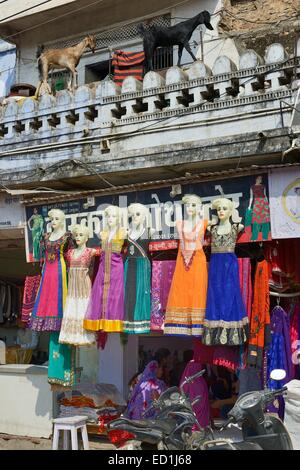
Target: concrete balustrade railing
106	104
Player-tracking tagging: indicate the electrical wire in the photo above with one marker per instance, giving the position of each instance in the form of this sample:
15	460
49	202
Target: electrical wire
24	11
75	11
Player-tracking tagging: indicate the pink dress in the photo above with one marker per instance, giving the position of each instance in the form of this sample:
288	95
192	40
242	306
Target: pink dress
48	308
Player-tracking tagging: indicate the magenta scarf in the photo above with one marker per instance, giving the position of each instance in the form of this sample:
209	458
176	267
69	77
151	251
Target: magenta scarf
197	387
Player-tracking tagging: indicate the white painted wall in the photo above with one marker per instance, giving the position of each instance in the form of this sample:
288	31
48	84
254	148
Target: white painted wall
17	8
188	10
26	401
89	361
118	363
7	67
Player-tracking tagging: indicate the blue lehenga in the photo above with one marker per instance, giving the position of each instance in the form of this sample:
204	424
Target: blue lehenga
226	319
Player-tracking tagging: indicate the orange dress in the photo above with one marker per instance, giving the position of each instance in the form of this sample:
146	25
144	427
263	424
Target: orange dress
185	309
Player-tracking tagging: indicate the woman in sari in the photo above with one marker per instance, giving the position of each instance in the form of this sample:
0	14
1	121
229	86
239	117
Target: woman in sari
147	389
197	388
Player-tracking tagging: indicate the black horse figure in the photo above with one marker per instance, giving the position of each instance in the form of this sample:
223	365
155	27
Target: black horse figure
179	34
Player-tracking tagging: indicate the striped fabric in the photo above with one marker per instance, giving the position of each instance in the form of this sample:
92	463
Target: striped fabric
127	64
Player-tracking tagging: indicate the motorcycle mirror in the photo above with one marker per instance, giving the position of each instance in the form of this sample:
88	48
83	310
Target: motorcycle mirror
278	374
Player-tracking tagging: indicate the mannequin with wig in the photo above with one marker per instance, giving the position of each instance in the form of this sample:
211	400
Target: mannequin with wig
105	309
226	319
49	305
138	271
79	288
186	304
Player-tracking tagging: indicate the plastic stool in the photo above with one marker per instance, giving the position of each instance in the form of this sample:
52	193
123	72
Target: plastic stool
72	423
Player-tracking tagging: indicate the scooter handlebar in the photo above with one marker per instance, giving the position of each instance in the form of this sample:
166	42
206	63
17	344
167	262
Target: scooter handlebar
191	378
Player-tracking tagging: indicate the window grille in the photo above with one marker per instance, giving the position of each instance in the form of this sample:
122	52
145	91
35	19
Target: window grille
113	37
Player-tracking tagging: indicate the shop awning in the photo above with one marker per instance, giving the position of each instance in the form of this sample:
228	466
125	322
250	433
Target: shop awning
30	199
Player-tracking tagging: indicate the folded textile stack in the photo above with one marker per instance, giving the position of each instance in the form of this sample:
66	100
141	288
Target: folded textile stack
99	402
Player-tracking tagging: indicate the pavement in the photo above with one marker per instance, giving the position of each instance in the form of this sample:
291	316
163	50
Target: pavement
9	442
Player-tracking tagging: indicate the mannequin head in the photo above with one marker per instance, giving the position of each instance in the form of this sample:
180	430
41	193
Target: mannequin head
139	214
224	208
258	179
81	234
57	219
112	217
193	204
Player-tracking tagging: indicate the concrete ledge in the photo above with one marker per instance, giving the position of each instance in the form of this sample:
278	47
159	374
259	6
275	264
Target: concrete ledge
23	369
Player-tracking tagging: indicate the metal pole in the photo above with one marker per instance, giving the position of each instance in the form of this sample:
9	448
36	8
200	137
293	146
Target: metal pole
201	45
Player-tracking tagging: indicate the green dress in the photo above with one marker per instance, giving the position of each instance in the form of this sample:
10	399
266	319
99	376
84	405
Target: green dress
37	232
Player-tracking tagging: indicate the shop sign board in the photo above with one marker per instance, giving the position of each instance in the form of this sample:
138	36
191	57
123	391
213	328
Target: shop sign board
12	212
250	209
284	187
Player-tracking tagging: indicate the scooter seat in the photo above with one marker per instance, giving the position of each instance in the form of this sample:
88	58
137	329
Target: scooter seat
162	426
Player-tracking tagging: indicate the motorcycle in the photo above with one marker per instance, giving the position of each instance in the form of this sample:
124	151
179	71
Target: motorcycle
172	427
260	430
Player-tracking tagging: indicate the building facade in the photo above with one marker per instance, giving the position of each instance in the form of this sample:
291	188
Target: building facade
231	113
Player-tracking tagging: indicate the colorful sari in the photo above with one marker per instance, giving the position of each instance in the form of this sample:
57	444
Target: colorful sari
196	388
143	394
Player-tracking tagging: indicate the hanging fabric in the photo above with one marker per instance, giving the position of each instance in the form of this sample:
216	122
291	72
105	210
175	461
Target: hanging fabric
30	292
127	64
295	340
186	305
260	317
162	274
280	352
246	283
62	362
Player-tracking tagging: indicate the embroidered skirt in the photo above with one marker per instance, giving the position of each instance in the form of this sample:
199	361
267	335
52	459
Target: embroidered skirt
105	309
137	295
62	362
226	319
187	299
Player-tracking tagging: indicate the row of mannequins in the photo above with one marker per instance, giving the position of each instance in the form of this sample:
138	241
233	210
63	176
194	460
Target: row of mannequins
201	303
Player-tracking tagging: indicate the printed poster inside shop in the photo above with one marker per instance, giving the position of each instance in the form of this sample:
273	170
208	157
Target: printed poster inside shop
250	196
285	202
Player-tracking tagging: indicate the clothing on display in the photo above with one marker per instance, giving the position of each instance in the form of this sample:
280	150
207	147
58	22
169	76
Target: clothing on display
10	301
284	263
137	287
62	362
105	309
246	283
185	309
226	319
79	289
295	338
31	287
280	351
259	337
225	356
162	275
48	308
